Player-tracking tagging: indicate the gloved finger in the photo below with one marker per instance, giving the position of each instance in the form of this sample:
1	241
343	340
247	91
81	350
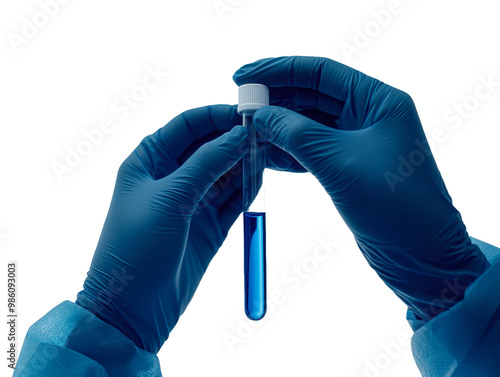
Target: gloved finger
320	117
189	184
312	144
164	151
320	74
225	186
278	159
206	227
231	181
304	98
211	227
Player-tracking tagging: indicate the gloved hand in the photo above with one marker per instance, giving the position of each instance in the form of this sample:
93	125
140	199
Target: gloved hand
176	196
364	142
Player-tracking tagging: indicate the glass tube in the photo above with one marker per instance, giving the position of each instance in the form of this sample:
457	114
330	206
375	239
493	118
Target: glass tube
254	222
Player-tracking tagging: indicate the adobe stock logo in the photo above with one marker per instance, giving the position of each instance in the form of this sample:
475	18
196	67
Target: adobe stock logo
372	29
121	107
222	7
292	279
33	25
389	353
454	117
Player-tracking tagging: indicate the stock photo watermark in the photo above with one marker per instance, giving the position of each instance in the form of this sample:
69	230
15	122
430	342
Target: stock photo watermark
211	190
42	359
388	353
11	314
292	280
364	35
3	237
33	25
121	108
225	7
452	292
454	118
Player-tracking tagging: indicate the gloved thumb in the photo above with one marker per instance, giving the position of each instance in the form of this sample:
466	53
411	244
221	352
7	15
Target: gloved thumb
311	143
191	181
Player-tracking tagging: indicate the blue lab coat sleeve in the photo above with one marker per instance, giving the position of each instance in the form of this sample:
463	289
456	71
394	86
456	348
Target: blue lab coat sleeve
71	341
463	341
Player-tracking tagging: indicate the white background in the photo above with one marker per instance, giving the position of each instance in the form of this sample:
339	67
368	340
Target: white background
64	79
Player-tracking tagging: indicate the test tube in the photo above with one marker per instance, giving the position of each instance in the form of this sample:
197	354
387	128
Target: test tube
250	98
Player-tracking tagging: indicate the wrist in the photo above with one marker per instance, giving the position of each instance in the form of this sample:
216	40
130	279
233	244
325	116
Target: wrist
105	313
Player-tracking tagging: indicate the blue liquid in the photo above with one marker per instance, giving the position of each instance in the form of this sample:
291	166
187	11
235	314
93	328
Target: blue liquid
255	264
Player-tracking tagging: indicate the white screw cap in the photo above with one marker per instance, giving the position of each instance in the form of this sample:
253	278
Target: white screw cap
252	97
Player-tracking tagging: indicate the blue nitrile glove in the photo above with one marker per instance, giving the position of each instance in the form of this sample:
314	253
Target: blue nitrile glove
176	196
364	142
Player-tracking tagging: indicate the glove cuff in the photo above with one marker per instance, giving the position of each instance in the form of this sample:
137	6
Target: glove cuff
105	314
